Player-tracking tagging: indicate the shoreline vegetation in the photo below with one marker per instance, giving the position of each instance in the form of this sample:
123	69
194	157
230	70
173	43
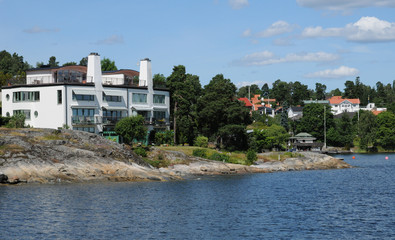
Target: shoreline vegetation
29	155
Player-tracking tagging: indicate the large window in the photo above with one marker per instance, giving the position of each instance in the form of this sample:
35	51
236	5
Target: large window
24	112
86	112
159	99
139	98
159	115
110	98
26	96
83	97
70	76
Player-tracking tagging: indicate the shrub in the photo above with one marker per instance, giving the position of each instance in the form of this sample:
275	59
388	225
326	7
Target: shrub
140	151
17	121
219	157
251	156
4	120
201	141
200	153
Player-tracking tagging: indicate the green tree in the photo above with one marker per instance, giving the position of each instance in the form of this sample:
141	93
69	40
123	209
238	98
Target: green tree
131	128
313	120
69	64
184	90
299	93
342	134
282	92
159	80
385	134
248	91
233	137
367	128
12	68
269	137
52	62
320	91
108	65
335	92
84	61
218	107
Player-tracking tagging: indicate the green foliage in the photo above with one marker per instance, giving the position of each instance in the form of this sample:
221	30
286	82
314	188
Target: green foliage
218	107
159	80
313	120
233	137
84	61
386	130
108	65
200	153
342	133
269	137
248	91
69	64
140	151
367	128
251	156
131	128
185	89
4	120
17	121
52	62
165	137
201	141
219	157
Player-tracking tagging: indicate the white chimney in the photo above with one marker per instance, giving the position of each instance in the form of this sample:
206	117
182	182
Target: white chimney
145	78
94	69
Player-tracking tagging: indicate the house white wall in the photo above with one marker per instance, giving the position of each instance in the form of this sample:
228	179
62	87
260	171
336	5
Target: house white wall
53	113
345	106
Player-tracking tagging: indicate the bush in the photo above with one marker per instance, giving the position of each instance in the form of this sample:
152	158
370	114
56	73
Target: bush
200	153
251	156
219	157
17	121
4	120
140	152
201	141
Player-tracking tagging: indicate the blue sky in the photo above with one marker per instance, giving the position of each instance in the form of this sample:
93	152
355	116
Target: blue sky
249	41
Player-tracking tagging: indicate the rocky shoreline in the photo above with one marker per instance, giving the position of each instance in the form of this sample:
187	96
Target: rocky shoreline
56	156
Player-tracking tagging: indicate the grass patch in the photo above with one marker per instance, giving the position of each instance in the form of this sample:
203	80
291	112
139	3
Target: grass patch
11	148
231	157
281	156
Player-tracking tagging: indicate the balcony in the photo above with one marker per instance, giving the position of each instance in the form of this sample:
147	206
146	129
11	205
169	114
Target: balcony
84	120
110	120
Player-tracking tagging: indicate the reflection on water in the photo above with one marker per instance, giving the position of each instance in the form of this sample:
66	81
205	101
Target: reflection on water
353	203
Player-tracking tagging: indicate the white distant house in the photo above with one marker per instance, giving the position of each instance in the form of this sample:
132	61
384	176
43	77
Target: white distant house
295	113
86	99
340	105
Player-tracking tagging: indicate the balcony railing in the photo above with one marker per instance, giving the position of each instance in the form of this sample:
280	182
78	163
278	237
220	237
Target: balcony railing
110	120
84	120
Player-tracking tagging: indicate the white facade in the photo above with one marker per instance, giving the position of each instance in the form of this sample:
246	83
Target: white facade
344	106
90	105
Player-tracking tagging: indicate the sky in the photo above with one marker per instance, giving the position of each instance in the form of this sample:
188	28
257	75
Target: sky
248	41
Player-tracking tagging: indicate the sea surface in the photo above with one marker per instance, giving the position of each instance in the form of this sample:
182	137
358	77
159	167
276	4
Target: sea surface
357	203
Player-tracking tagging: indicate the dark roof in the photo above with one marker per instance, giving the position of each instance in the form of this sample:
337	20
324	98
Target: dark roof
297	109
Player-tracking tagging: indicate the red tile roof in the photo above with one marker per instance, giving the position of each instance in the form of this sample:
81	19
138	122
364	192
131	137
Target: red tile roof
339	99
246	102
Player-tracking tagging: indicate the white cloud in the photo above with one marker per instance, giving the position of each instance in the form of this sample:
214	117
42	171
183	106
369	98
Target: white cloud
277	28
247	33
366	29
238	4
246	83
114	39
340	72
267	58
37	29
343	5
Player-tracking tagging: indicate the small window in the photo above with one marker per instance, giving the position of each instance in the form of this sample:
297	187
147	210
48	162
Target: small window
7	97
35	113
59	96
8	114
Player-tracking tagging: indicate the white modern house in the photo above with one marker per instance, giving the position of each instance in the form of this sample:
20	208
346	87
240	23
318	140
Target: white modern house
86	99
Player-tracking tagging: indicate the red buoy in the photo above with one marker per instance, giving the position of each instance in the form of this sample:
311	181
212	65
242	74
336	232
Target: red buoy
386	157
353	157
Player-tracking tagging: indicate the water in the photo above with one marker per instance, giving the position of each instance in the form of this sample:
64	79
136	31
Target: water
353	203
